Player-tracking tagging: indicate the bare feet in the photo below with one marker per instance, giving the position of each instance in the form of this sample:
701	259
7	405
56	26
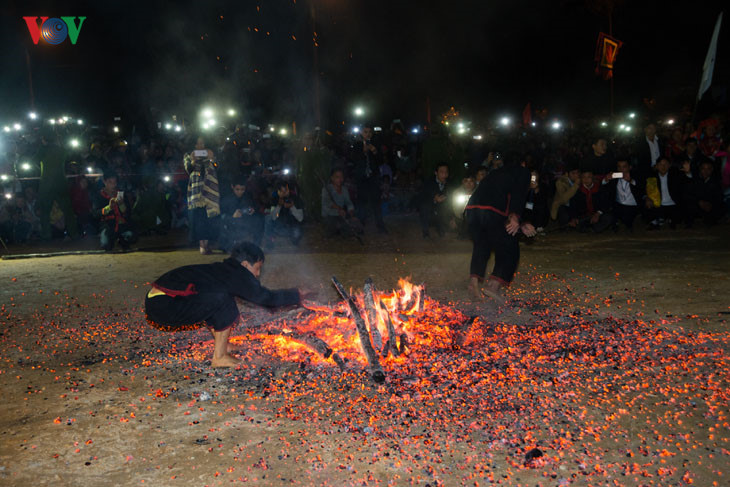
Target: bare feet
233	347
226	360
492	290
474	289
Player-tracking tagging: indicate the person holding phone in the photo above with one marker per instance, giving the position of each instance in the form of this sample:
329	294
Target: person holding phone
624	193
113	208
203	196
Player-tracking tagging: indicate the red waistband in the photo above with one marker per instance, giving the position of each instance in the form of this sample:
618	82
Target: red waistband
188	291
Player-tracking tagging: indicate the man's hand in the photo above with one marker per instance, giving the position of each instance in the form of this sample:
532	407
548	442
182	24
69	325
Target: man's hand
237	214
439	198
573	223
649	203
595	217
528	229
513	224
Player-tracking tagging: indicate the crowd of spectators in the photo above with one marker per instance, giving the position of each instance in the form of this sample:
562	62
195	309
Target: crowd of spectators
245	184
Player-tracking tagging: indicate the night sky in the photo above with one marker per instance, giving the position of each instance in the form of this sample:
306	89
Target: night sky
486	58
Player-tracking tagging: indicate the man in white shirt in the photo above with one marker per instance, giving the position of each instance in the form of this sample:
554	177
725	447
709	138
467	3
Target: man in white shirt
625	194
648	151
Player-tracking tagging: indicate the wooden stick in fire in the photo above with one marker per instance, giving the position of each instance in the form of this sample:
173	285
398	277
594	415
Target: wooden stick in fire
376	371
372	313
313	342
390	345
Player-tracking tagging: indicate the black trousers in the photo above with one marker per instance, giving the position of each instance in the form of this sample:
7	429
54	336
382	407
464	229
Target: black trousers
625	214
436	214
215	310
368	196
489	235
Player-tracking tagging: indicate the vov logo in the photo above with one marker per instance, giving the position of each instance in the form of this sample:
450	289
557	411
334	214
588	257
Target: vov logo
54	30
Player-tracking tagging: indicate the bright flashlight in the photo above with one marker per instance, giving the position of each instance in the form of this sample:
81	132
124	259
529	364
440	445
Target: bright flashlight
17	126
359	112
116	129
6	128
604	124
32	115
168	126
632	115
25	166
504	121
207	112
52	122
286	171
80	122
556	125
178	128
628	129
462	198
205	125
670	121
477	137
231	112
8	196
282	131
74	143
3	177
271	129
355	130
89	169
533	124
167	179
414	130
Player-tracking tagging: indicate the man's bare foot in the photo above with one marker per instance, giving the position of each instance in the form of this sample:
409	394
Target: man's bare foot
495	295
233	347
475	292
226	360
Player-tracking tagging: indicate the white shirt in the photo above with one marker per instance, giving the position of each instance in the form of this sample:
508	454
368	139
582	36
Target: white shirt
624	196
654	149
666	197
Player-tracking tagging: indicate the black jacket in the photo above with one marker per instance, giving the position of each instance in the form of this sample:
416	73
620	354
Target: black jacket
579	203
366	164
503	191
637	189
223	277
429	190
642	154
677	183
229	205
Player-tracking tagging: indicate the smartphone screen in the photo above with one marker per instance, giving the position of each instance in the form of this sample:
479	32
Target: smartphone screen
200	153
617	175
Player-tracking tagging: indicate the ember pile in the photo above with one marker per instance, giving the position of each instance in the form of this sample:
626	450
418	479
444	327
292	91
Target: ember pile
372	328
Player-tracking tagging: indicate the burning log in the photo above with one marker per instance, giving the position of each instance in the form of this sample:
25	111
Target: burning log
390	345
372	313
313	342
422	300
402	343
376	370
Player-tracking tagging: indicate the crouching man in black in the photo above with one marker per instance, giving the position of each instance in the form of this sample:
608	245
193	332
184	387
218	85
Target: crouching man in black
493	214
204	295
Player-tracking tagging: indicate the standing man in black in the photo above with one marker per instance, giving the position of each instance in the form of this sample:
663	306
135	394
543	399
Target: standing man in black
367	159
648	150
493	214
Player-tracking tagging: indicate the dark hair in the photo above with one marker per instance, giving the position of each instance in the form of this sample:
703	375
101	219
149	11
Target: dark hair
661	158
280	184
108	174
239	180
247	252
481	168
442	164
690	140
336	169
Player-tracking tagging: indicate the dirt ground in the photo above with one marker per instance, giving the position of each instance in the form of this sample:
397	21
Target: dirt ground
93	396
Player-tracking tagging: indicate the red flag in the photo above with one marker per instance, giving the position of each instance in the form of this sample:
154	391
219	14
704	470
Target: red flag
527	115
606	51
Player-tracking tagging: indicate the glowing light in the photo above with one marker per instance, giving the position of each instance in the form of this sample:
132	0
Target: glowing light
462	130
89	169
286	171
166	179
632	115
477	137
25	166
205	125
460	125
355	130
168	126
65	118
74	143
462	198
17	126
116	129
670	121
32	115
604	124
3	177
272	128
178	128
211	122
207	112
504	121
622	126
414	130
6	128
80	122
377	129
231	112
8	196
359	111
533	124
556	125
52	122
627	128
282	132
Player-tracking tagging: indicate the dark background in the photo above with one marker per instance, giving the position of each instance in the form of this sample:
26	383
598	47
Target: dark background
153	58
